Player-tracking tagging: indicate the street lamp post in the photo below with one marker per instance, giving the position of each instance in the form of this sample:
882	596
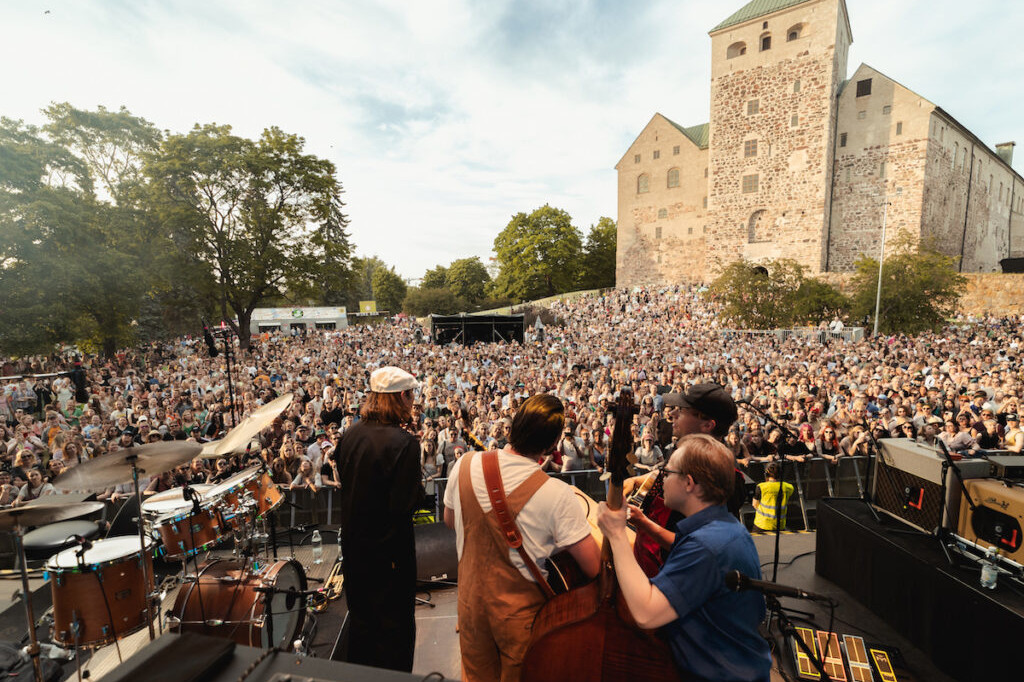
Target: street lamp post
881	260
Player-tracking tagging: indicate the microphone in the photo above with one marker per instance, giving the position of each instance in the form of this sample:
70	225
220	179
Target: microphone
736	582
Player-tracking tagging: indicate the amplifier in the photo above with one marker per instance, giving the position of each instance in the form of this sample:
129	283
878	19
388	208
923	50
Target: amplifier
908	484
1011	467
998	519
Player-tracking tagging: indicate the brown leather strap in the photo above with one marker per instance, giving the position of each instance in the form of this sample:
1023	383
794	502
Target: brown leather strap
496	492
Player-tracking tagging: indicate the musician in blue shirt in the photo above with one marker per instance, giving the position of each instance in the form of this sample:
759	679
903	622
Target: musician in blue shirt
712	631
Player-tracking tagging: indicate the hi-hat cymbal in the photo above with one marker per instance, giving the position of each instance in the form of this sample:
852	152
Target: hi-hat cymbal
113	468
42	514
239	437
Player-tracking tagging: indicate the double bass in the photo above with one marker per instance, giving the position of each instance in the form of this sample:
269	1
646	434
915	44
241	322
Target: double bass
588	633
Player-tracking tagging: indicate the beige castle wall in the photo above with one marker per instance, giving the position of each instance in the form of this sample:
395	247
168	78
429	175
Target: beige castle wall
954	193
793	163
642	257
861	187
993	293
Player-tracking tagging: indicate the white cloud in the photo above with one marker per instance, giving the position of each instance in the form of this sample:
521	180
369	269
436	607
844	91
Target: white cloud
446	117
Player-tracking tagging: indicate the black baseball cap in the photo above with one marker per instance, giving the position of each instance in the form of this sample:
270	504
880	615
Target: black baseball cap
709	399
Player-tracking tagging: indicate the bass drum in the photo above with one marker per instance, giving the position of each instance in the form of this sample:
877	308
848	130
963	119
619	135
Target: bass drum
224	593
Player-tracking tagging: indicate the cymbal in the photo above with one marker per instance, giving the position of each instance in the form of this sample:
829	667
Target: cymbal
42	514
239	437
115	467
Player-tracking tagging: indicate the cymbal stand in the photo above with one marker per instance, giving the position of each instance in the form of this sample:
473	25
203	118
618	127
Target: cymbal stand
26	596
142	548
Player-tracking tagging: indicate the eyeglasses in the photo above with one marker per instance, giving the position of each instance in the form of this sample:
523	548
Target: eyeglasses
677	473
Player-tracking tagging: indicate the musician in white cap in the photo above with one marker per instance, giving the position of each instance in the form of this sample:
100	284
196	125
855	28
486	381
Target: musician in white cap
380	487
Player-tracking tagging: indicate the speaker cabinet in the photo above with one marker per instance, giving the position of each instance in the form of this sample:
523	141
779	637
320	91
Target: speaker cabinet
998	519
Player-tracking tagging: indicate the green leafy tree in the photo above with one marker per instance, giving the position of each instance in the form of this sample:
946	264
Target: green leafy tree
360	286
388	290
80	253
773	294
420	301
264	215
599	256
920	288
538	255
467	279
435	278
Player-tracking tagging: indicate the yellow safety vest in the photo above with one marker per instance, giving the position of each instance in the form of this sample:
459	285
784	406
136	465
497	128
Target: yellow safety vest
764	517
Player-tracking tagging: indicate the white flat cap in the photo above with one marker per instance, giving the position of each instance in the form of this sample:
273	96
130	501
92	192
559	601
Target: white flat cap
392	380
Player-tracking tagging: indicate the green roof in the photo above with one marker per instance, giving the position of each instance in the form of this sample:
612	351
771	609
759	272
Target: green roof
755	9
697	134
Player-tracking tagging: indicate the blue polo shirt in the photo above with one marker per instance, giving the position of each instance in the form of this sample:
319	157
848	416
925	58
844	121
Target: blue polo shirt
716	635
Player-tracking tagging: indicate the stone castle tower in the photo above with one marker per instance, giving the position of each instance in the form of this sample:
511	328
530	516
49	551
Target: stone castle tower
797	161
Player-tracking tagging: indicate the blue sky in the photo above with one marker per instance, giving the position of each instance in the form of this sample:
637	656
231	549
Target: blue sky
446	117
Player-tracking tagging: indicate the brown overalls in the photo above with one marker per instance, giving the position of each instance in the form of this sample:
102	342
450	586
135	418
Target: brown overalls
497	604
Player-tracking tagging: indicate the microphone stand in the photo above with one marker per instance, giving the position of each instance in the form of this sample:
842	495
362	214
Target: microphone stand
783	458
789	630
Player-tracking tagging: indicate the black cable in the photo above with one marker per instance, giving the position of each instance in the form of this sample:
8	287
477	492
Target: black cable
788	563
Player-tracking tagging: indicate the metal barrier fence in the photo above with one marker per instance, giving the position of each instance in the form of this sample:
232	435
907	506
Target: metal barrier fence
847	334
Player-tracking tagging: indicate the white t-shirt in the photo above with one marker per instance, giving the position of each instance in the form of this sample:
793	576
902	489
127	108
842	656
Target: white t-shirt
551	520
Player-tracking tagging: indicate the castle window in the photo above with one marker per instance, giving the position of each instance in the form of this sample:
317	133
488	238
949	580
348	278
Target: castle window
753	106
673	177
861	115
754	226
636	158
796	85
643	184
657	154
736	50
659	258
764	25
662	214
794	32
842	139
963	160
689	230
705	171
956	152
704	202
750	183
675	150
766	43
899	127
881	170
750	148
864	87
847	174
886	110
657	230
794	121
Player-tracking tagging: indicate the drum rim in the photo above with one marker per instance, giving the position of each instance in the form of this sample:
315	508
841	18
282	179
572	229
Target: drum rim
242	477
149	542
201	488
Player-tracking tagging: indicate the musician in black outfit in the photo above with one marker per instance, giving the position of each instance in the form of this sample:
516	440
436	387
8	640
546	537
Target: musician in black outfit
379	469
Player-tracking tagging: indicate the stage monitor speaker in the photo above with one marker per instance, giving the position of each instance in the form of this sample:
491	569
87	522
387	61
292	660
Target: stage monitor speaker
436	556
998	519
908	484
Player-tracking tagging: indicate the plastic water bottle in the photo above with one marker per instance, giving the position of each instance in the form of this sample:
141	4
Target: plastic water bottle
318	547
989	572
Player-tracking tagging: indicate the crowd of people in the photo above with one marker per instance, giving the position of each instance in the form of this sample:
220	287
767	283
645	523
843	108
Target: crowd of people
962	385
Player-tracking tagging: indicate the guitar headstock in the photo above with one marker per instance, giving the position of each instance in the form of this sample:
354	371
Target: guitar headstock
622	438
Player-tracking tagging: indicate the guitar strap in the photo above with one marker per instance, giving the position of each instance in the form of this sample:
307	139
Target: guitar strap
496	492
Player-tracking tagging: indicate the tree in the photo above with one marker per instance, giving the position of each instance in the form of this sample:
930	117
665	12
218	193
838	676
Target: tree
920	287
360	286
598	270
467	278
77	264
538	255
773	294
421	301
435	278
265	216
388	290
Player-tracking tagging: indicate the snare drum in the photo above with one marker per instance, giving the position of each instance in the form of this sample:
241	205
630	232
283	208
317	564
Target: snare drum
102	598
222	602
264	491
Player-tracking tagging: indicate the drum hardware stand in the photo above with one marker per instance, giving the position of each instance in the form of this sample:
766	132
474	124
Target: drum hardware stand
26	597
142	549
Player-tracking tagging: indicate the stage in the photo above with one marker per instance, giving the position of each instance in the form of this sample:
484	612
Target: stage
968	632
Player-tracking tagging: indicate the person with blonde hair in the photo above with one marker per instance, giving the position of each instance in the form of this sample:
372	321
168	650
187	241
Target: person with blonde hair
711	631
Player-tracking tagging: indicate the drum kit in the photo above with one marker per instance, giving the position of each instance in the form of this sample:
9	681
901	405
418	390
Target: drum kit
104	590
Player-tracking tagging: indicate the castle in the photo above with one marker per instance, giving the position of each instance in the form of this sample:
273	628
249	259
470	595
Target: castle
799	161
